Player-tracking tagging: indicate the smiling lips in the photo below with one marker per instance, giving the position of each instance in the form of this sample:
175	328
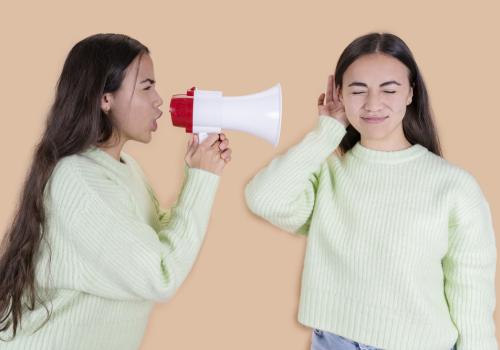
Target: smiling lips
373	119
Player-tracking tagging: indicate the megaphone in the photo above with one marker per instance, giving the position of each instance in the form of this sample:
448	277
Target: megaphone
202	112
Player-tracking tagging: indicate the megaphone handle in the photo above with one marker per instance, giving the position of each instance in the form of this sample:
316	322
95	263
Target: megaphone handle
202	136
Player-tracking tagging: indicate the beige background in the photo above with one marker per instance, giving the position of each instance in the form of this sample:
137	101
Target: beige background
243	291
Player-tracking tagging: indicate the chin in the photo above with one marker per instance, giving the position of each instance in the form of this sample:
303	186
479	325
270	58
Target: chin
381	134
143	139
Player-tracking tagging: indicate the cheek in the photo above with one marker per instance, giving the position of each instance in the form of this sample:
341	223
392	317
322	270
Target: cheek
120	107
138	111
143	108
352	105
397	106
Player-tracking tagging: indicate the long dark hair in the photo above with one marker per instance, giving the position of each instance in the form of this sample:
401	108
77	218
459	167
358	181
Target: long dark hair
418	124
94	66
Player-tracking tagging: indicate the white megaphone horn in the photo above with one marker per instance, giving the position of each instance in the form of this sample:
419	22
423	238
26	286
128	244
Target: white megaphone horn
202	112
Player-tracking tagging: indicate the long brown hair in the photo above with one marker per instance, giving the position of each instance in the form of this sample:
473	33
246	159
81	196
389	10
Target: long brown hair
418	124
94	66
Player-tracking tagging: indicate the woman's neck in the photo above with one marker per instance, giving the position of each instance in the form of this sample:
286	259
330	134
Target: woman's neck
113	150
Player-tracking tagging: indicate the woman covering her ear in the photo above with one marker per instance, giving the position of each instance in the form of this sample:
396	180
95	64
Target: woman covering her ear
400	245
90	249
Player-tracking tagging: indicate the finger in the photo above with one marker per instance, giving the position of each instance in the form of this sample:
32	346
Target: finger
210	140
329	89
226	154
222	137
215	146
321	99
190	144
195	143
224	144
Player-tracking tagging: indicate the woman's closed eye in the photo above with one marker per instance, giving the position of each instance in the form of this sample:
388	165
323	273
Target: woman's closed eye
362	92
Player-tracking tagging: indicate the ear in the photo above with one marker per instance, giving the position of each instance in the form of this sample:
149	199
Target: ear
341	99
106	102
410	96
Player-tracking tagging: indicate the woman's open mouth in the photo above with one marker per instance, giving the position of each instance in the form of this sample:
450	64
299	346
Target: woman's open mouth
154	125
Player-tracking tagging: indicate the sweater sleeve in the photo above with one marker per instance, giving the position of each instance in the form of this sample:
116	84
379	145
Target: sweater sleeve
122	257
283	193
469	271
164	214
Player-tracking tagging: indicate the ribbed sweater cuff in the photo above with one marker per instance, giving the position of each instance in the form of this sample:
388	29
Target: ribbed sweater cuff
316	146
326	137
199	189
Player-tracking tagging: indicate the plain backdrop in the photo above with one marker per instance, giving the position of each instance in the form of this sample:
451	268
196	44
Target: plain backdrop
244	288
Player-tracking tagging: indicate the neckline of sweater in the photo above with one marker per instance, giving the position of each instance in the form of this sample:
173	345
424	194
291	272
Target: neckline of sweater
387	157
106	159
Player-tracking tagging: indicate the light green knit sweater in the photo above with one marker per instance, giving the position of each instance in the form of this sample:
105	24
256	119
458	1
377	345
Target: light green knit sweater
115	252
400	244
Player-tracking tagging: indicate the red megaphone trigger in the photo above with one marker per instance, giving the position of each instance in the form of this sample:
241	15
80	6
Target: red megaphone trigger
181	110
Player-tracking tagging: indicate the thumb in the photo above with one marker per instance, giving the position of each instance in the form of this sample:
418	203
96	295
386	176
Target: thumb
195	140
190	145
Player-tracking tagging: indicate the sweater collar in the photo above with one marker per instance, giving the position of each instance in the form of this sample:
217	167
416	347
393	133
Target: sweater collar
387	157
105	159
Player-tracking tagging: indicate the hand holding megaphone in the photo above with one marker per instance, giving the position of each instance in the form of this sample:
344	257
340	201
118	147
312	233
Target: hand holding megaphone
202	112
211	155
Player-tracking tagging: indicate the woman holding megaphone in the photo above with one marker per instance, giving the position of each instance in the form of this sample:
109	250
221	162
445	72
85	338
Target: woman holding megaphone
400	244
90	249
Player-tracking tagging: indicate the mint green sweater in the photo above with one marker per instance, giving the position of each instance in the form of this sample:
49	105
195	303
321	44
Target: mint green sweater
400	244
115	252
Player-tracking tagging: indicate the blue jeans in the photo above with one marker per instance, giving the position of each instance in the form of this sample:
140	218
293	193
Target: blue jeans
322	340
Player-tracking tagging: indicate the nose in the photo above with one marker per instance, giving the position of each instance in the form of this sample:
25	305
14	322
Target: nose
373	102
158	102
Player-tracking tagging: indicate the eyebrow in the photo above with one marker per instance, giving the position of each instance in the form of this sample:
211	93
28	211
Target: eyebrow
146	80
358	83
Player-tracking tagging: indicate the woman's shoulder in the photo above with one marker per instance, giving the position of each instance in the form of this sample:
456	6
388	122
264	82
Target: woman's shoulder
464	186
79	181
83	173
453	172
65	170
93	164
75	168
65	192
